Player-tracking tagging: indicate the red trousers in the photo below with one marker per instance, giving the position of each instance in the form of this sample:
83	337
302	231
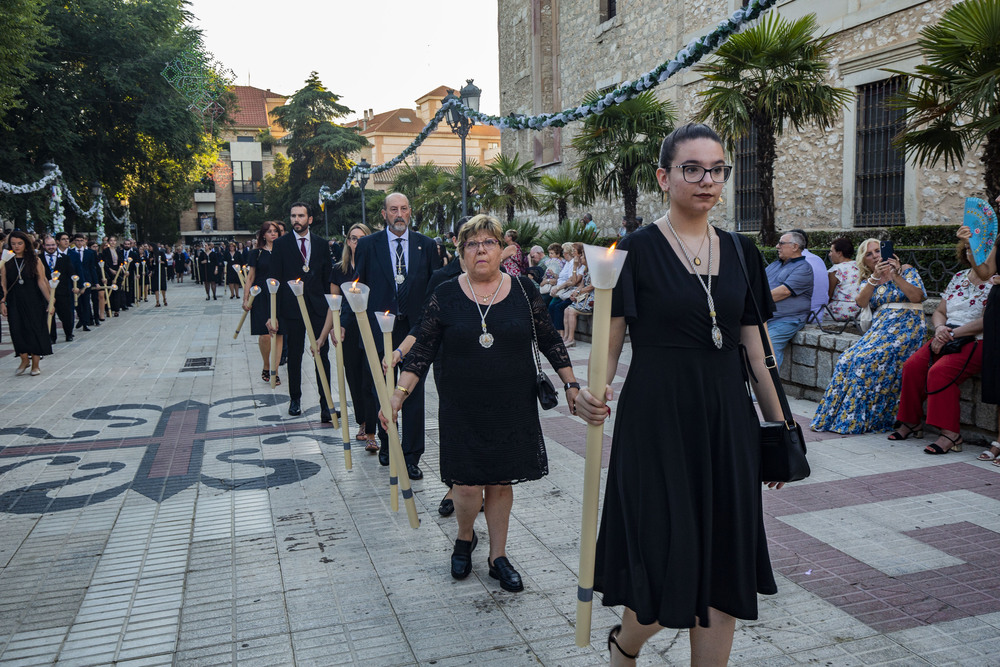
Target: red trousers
918	376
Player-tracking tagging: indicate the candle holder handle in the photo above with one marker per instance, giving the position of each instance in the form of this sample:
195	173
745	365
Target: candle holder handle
345	431
320	369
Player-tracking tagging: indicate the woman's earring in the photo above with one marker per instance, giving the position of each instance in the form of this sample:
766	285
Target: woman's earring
720	200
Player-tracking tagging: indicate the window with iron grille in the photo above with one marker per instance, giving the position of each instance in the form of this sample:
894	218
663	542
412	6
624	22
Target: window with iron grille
609	8
880	168
747	184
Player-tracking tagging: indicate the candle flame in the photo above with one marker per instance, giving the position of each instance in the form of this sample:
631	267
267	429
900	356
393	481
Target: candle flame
355	283
387	313
612	248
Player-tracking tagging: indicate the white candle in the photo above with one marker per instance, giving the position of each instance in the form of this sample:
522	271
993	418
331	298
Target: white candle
386	321
5	256
298	289
255	290
334	301
605	265
272	285
357	295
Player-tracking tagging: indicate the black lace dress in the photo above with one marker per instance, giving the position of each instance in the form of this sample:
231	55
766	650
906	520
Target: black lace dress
488	415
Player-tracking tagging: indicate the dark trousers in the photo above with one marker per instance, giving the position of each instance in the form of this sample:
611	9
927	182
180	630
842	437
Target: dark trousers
556	309
412	437
294	330
64	311
359	379
83	311
95	302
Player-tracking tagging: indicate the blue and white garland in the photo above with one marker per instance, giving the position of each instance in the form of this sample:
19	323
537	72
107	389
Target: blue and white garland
60	191
686	57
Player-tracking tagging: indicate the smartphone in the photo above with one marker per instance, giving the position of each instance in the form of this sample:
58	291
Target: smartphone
887	250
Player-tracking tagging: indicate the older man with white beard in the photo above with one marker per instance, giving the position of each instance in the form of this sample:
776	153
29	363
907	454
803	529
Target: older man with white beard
396	264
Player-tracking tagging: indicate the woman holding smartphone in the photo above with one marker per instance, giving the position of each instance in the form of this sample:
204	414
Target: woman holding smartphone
864	392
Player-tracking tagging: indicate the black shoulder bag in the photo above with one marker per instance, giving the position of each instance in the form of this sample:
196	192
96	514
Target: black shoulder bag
782	446
547	396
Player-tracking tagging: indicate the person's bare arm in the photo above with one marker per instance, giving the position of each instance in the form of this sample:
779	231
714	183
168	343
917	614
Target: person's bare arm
780	293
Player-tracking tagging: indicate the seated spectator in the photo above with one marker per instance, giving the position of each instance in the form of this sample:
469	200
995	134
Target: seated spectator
935	377
791	281
570	277
581	303
820	295
845	280
536	267
511	259
554	264
863	393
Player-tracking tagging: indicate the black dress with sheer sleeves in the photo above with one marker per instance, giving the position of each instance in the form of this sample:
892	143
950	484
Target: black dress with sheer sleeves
488	408
682	527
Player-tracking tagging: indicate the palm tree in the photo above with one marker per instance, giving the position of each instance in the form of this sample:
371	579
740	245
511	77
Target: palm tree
438	199
955	105
619	150
510	185
410	182
557	193
763	77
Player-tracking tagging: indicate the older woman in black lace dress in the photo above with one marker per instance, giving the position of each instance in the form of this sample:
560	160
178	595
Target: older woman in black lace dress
483	321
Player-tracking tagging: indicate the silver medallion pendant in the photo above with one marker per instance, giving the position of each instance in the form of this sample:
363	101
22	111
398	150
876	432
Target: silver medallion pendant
486	340
717	336
305	268
20	281
881	290
400	278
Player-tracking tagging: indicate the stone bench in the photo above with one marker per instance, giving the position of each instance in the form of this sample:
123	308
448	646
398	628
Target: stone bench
808	368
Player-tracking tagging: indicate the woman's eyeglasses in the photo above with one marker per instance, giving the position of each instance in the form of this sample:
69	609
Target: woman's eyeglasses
694	173
488	244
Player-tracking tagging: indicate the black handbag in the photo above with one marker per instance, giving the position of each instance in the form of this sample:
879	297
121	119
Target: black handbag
782	445
547	396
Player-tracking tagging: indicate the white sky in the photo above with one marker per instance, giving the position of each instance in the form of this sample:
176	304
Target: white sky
379	54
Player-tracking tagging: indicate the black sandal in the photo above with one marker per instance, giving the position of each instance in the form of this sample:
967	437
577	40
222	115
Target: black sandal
613	639
915	430
935	449
265	375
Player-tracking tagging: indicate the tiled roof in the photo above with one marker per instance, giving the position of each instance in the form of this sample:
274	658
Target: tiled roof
252	110
438	93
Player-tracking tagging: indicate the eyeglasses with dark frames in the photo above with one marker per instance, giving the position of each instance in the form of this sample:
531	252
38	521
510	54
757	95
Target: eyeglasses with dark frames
694	173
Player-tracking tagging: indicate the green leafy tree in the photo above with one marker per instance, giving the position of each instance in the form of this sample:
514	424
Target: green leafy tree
567	231
94	101
558	192
319	149
764	78
22	32
275	193
619	150
510	185
411	181
955	105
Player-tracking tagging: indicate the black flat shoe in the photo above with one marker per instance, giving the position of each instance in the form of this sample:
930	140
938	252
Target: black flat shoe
324	416
413	471
383	455
613	641
461	557
293	408
504	572
447	507
86	328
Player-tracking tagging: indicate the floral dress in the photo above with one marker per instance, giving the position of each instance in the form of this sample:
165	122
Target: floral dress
585	305
842	303
965	301
864	392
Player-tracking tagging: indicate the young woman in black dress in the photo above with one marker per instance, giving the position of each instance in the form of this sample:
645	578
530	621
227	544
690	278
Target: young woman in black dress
359	377
232	258
991	336
25	303
259	261
682	542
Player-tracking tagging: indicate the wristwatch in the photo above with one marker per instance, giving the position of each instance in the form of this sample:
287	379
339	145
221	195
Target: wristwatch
573	385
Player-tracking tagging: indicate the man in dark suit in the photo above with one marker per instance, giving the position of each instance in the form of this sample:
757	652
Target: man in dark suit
85	266
128	274
396	264
53	262
304	256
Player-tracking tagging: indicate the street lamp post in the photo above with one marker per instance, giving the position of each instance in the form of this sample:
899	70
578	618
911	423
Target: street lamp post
460	125
362	182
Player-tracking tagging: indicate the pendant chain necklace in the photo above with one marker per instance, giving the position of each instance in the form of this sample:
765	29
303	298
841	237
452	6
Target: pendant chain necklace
716	332
20	280
485	338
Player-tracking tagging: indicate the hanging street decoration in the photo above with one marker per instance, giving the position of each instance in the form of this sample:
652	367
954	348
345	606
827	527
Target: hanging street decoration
59	192
686	57
56	206
222	174
198	79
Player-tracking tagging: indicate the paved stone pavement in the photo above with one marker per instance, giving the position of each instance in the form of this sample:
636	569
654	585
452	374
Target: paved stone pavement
154	516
